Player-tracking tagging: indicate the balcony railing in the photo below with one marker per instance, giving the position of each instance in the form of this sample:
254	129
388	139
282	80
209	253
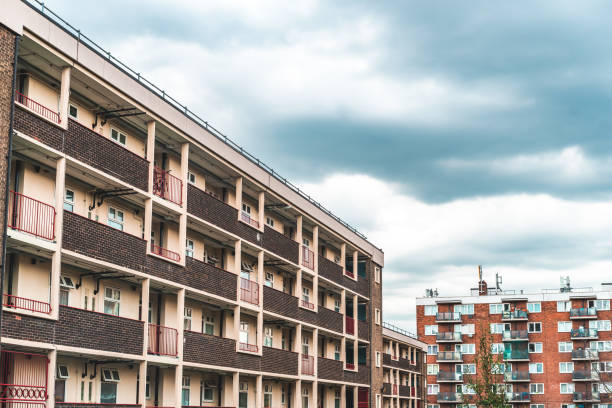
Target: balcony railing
449	376
246	218
515	315
350	366
165	253
350	325
32	216
307	257
518	396
23	378
348	273
307	304
448	317
449	397
252	348
583	312
515	335
585	354
585	375
249	291
516	376
394	389
583	333
448	336
162	340
449	356
516	355
37	107
16	302
167	186
586	396
307	365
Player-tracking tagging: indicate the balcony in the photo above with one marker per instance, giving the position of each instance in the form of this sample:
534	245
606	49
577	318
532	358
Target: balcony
37	108
24	377
279	361
515	316
583	313
251	348
449	397
516	355
518	397
515	335
249	291
585	354
448	317
198	345
350	325
167	186
585	375
449	357
449	377
516	376
17	302
306	304
162	340
307	258
406	391
31	216
586	396
583	334
329	369
448	337
246	218
307	365
282	245
165	253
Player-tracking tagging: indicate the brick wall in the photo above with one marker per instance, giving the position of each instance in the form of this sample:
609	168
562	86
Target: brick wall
24	327
38	128
330	369
330	319
279	361
203	276
376	338
207	349
330	270
278	243
363	330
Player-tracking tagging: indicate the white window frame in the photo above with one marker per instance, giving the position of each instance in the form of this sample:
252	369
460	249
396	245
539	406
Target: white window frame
569	388
69	203
431	347
565	344
377	274
599	325
539	388
62	372
566	367
189	247
110	375
534	327
268	337
430	310
246	208
433	369
113	218
269	279
536	368
564	306
191	177
377	316
534	307
564	326
431	329
537	345
270	222
208	321
119	135
496	308
187	318
116	301
431	388
206	386
378	359
76	108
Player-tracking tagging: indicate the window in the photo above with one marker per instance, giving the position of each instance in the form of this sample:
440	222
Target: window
148	388
496	308
535	307
377	274
536	368
306	242
267	396
378	359
337	305
464	328
564	306
566	388
432	350
563	327
244	332
115	218
305	345
108	392
110	375
377	316
208	324
431	330
269	279
65	285
187	311
189	248
498	368
465	389
600	304
306	294
433	369
433	405
536	406
112	298
469	348
497	348
191	178
534	327
433	389
568	405
208	392
269	222
73	111
565	368
600	325
337	399
602	367
284	395
464	309
465	368
497	328
337	352
243	396
305	402
536	388
565	346
534	347
69	200
268	336
118	136
246	208
62	372
430	310
601	345
185	392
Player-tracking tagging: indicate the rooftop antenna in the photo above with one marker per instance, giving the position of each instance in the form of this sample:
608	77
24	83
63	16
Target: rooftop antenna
498	281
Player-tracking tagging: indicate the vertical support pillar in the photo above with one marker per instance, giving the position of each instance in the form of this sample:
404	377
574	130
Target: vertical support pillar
183	216
356	355
178	385
64	100
297	348
298	394
52	356
355	397
343	308
237	324
144	314
343	351
315	246
355	315
142	384
56	260
150	156
235	388
355	263
315	353
180	321
343	396
259	391
314	403
298	236
343	255
238	262
239	195
298	285
262	209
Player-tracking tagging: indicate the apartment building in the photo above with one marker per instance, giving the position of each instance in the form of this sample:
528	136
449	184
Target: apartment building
151	262
403	365
555	345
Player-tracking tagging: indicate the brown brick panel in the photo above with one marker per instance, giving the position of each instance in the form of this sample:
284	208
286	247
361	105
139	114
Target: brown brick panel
206	349
386	389
388	361
349	283
279	302
329	319
99	331
278	243
166	270
31	328
208	208
308	316
330	369
405	364
363	286
248	361
92	405
107	155
279	361
31	125
404	391
206	277
330	270
94	239
363	330
363	374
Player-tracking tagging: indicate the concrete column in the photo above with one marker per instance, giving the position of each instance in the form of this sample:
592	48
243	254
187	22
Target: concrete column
237	324
260	267
184	171
148	223
150	152
298	285
355	397
355	263
238	264
178	385
314	398
183	237
315	244
298	394
315	290
142	384
259	391
239	195
355	310
52	356
343	255
297	347
235	388
145	288
298	236
315	349
262	209
343	308
343	351
343	396
356	354
64	100
180	313
397	355
260	329
56	260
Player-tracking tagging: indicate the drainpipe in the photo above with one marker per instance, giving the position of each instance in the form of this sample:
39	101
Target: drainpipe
8	173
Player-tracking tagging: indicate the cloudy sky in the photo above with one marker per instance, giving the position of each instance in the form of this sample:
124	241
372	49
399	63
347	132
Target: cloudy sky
452	134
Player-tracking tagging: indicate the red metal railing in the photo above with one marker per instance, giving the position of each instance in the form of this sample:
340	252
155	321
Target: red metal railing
25	304
167	186
37	107
307	365
394	389
166	253
350	366
412	391
23	377
248	347
32	216
249	291
246	218
363	398
307	305
162	340
350	325
349	273
307	258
